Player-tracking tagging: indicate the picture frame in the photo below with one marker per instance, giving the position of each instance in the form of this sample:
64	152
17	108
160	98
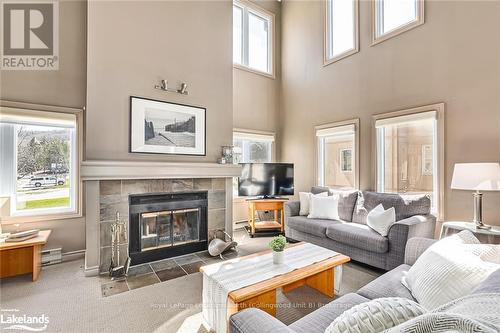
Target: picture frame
160	127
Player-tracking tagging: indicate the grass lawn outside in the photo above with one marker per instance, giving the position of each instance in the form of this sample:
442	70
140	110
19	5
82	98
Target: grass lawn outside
47	203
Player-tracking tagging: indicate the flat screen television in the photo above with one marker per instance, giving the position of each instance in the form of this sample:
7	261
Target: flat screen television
265	180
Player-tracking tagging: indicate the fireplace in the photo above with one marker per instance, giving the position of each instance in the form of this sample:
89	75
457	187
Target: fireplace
164	225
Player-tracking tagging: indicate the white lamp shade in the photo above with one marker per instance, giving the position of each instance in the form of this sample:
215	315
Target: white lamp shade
476	176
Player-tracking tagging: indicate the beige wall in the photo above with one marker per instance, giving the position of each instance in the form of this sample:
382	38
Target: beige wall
134	44
256	98
64	87
453	58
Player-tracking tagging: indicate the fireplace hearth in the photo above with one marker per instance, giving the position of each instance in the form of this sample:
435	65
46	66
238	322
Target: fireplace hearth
164	225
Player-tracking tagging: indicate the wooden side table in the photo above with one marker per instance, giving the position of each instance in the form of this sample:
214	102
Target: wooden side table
491	236
276	205
23	257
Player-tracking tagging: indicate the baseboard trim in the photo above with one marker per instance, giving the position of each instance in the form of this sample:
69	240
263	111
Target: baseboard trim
91	271
73	255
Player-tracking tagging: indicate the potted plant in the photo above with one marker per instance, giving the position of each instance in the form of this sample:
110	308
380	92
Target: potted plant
278	244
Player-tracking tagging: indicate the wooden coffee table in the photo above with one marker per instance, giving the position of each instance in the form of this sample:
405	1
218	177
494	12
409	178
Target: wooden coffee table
262	295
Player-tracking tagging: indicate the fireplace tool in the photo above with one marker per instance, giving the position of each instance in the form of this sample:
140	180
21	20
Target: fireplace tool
115	269
217	246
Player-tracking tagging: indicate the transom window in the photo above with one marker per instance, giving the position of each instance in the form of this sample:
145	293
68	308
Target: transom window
392	17
408	154
252	37
337	155
341	29
38	154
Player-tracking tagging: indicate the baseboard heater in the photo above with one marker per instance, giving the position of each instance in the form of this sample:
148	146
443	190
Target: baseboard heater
52	256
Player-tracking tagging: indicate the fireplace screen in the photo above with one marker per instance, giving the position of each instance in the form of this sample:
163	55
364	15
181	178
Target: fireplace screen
169	228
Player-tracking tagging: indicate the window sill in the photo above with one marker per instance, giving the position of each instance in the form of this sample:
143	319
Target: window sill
38	218
396	32
254	71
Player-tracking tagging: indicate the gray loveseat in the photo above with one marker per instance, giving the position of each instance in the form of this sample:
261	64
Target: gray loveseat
352	237
388	285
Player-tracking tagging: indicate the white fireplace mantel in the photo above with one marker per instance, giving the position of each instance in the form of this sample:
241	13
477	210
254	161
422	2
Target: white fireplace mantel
109	170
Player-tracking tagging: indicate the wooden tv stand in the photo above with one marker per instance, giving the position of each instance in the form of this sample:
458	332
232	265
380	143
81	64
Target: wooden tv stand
276	205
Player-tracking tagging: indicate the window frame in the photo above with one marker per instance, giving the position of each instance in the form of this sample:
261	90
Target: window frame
326	59
318	154
439	108
79	129
376	38
248	7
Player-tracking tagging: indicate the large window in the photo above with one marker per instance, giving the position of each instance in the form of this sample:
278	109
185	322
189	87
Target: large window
409	152
341	29
392	17
252	38
337	155
39	159
252	147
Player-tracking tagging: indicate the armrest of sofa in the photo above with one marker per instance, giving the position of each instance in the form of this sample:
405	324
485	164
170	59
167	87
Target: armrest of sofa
415	247
292	208
401	231
253	320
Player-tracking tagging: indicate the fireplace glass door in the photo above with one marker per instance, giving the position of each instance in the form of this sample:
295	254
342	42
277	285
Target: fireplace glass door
169	228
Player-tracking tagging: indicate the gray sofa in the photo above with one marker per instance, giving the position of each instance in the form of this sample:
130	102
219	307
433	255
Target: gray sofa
388	285
352	237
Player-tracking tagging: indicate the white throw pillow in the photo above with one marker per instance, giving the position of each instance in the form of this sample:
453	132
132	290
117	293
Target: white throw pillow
376	315
451	268
305	201
380	219
324	207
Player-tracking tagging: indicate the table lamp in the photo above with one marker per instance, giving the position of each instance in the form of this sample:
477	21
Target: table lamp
477	177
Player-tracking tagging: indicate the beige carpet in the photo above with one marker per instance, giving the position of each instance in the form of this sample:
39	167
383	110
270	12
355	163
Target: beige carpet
74	303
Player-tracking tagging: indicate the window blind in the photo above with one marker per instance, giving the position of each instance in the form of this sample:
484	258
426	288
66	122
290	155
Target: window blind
337	130
253	136
33	117
410	118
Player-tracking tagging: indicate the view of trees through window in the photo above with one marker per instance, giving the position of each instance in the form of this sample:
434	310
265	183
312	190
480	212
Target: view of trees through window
43	167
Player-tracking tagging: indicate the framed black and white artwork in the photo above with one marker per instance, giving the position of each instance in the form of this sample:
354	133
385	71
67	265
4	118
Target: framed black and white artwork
159	127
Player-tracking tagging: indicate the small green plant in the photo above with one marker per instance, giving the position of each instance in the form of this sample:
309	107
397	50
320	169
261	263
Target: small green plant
278	243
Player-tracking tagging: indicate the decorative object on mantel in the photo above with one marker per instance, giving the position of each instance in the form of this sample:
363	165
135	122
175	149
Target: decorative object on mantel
115	269
477	177
217	246
278	244
227	153
164	86
159	127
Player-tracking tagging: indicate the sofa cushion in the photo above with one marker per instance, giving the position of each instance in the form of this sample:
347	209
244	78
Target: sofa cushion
376	315
319	189
388	285
347	202
358	235
319	320
405	205
316	227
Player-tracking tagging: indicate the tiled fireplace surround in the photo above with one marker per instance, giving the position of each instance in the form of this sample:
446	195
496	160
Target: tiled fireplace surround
114	196
108	185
